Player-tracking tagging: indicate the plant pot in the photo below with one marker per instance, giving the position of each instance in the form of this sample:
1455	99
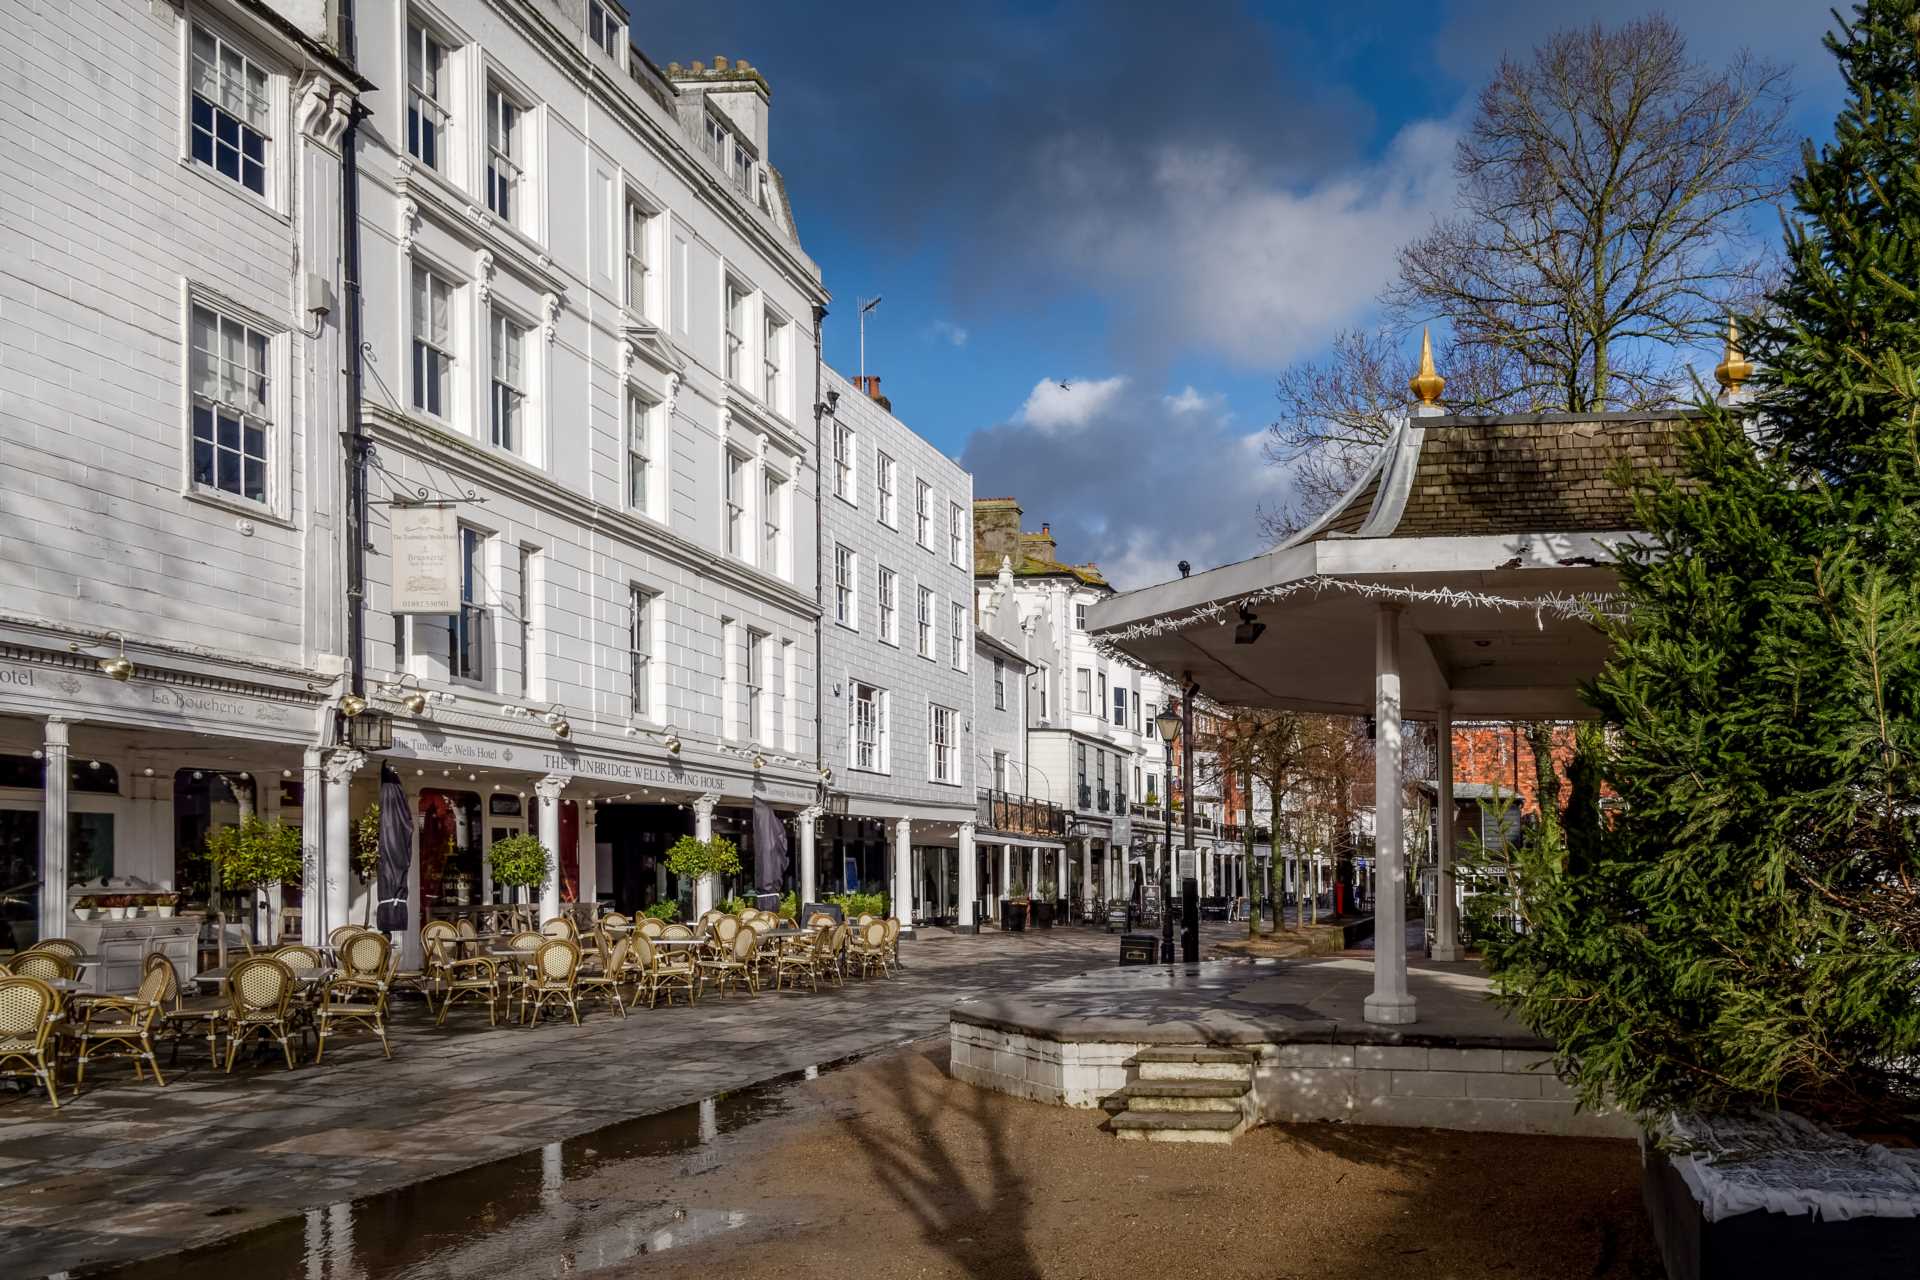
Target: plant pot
166	913
83	913
1043	915
1013	916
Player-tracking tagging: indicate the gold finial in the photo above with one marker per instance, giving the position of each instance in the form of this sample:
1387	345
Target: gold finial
1734	368
1427	384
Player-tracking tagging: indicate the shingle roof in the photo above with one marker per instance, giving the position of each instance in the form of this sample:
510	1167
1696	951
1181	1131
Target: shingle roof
1473	476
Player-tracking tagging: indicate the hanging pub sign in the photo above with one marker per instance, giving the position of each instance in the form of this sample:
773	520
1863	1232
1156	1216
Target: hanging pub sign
426	560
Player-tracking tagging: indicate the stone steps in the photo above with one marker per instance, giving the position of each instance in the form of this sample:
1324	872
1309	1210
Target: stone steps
1185	1095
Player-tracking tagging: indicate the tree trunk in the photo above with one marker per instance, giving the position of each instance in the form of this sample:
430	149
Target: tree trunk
1546	779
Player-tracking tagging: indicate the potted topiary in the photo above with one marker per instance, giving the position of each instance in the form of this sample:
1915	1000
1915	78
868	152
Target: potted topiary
1013	908
256	853
1043	909
521	862
667	911
691	858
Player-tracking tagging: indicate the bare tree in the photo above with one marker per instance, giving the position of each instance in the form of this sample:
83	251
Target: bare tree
1605	190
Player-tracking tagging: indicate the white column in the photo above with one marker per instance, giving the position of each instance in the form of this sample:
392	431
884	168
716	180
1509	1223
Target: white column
1060	879
313	843
805	820
1033	874
589	859
704	887
902	889
55	848
969	871
1446	911
547	799
1006	873
338	877
1390	1001
1086	870
1123	867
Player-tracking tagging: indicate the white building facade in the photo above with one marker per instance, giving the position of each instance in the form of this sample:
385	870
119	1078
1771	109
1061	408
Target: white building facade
897	710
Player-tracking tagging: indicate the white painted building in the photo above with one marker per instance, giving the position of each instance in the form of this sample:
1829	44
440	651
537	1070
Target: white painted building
589	334
897	708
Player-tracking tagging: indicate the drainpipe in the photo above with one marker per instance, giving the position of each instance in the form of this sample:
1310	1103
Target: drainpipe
819	580
358	445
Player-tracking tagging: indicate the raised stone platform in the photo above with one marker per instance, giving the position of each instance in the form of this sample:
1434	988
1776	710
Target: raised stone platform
1463	1065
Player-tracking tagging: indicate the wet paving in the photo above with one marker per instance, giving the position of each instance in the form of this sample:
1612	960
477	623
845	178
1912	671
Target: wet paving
543	1213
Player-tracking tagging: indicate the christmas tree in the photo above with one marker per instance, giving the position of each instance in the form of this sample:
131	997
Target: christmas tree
1745	930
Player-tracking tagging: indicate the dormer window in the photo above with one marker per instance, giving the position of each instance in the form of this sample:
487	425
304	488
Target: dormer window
603	27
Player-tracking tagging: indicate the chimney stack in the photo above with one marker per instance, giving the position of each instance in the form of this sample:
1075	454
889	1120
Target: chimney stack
870	383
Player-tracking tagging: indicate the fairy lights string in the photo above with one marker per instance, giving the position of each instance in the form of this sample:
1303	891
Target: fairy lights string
1582	607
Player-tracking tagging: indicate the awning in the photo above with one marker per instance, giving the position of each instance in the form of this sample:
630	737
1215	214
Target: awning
1019	842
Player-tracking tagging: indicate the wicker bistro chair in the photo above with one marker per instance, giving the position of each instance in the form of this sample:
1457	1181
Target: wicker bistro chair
739	961
607	978
676	931
819	918
469	937
66	948
298	956
614	920
29	1011
561	926
203	1016
358	994
650	926
338	937
802	960
834	964
48	966
724	929
261	989
870	948
553	978
662	971
893	946
479	977
122	1026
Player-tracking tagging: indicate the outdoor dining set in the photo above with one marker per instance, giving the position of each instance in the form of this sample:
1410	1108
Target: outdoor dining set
49	1018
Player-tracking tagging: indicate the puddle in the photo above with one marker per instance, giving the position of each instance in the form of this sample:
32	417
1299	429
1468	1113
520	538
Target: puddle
521	1216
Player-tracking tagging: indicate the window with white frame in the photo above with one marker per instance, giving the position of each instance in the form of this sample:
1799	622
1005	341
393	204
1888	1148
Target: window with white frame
773	347
926	622
717	141
756	684
432	342
884	474
870	707
1099	707
640	650
428	93
507	348
1079	615
957	638
999	684
641	413
741	170
889	597
773	543
1139	726
1039	699
523	618
232	111
1000	771
940	744
1120	706
845	599
603	26
231	395
736	335
736	478
504	160
843	459
640	223
467	638
1083	690
923	514
956	533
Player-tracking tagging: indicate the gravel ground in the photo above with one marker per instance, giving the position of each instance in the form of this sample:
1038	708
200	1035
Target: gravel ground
891	1169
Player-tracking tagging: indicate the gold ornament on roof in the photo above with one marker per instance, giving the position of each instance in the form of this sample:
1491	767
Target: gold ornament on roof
1734	368
1427	384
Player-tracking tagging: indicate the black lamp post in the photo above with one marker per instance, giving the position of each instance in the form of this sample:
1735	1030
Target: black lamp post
1169	725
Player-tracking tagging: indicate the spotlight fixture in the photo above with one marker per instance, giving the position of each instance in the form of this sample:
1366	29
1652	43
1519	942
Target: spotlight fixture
351	705
826	775
673	744
557	721
1250	628
117	666
759	762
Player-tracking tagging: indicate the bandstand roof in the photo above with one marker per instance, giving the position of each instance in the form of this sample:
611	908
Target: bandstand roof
1495	537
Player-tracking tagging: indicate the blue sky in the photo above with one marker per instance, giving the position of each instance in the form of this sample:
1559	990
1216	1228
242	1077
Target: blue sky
1159	205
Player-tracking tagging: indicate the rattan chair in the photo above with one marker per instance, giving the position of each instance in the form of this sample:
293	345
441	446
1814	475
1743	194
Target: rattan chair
819	918
122	1026
29	1011
614	920
893	946
727	968
561	926
359	994
48	966
337	937
650	926
607	979
552	979
204	1016
676	931
724	929
870	948
802	960
298	956
834	964
260	989
659	971
439	946
469	938
65	947
480	977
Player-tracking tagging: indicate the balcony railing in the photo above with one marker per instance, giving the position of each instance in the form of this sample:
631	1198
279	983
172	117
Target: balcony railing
1086	796
1106	800
1020	815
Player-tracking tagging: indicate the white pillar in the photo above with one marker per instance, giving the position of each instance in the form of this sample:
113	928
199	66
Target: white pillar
902	891
1123	868
1006	874
1086	870
808	891
1446	911
1390	1001
969	870
1033	874
703	888
338	892
55	848
588	857
313	843
547	798
1060	879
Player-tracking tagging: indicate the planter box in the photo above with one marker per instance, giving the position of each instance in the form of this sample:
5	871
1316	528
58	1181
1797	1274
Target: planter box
1013	916
1786	1198
1043	915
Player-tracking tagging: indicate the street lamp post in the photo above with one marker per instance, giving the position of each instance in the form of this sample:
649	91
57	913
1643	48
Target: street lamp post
1169	725
1189	937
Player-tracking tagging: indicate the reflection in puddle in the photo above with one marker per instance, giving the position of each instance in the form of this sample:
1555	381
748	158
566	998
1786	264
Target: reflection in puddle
513	1216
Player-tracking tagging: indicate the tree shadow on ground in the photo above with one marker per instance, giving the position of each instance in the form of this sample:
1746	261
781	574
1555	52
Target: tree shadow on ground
972	1206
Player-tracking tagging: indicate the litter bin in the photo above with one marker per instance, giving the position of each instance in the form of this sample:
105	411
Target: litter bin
1139	948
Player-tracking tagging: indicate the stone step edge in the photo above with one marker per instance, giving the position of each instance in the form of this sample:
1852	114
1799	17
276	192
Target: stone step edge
1183	1089
1192	1121
1195	1053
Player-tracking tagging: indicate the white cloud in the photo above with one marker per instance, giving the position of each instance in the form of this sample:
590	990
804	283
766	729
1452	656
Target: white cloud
1189	400
948	332
1067	405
